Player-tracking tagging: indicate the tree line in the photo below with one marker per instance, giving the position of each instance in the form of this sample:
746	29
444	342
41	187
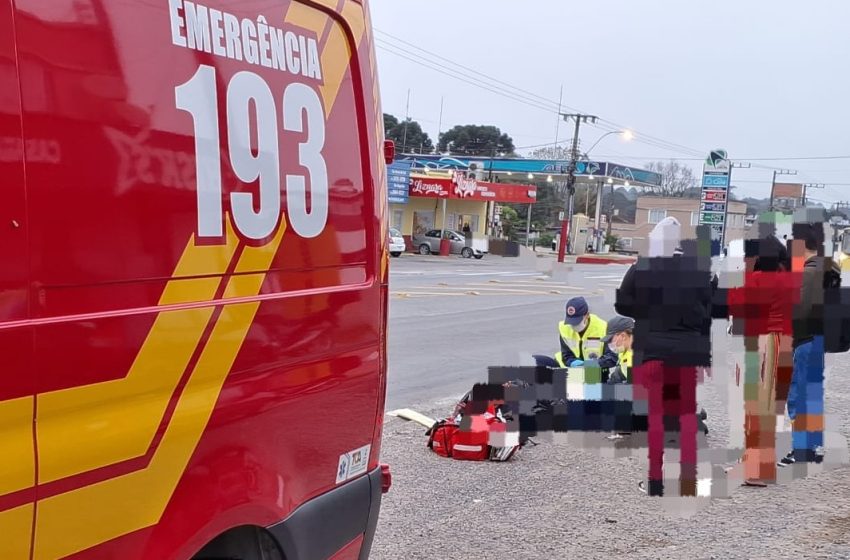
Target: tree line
463	140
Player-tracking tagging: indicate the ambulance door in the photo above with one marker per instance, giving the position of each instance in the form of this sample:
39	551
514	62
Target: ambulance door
17	383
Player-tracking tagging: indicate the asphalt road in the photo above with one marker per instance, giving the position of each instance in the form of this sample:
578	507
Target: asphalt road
451	318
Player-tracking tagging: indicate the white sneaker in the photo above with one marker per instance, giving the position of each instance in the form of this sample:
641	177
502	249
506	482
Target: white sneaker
704	488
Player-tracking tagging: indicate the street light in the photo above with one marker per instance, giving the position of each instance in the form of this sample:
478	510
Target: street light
626	135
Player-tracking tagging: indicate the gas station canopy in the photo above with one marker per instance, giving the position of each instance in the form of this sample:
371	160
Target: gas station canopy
586	171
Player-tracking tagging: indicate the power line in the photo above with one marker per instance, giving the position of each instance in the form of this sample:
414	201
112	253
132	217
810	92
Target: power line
412	57
767	182
801	158
652	140
476	72
530	98
534	100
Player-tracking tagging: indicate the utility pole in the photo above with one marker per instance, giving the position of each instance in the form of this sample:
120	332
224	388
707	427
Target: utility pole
597	224
734	165
440	123
773	183
490	206
406	121
571	181
808	186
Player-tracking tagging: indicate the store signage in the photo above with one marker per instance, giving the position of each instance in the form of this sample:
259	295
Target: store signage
435	188
714	196
714	218
398	182
464	187
716	179
460	187
713	207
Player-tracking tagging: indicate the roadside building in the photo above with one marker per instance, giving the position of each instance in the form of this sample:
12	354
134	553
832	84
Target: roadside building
787	196
453	201
634	237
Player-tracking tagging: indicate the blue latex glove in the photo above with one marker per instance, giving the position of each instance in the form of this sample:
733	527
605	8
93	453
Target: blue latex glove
576	363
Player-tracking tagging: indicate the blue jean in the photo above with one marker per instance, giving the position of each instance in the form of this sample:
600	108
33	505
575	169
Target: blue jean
805	398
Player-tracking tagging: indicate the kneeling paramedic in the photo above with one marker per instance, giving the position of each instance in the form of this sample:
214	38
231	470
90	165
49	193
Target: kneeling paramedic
619	338
581	335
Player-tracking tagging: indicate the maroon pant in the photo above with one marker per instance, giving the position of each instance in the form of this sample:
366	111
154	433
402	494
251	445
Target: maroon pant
671	394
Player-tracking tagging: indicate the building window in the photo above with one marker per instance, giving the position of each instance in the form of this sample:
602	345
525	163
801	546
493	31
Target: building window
694	218
656	215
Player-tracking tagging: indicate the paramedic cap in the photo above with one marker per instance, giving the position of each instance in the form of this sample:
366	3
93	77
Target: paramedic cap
576	310
616	326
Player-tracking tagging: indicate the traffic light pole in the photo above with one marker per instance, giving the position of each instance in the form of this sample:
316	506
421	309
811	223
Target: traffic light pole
571	181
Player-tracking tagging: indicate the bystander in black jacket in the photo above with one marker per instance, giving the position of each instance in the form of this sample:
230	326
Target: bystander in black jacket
670	299
821	279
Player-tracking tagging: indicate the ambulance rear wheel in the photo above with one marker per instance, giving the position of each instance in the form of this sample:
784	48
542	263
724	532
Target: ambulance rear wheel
245	543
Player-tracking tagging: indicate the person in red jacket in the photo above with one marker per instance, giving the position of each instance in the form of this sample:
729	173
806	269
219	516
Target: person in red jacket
762	310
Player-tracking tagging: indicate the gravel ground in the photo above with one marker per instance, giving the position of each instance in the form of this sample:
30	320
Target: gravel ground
557	500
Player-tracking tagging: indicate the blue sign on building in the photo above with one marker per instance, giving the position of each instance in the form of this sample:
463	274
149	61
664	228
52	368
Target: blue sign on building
398	182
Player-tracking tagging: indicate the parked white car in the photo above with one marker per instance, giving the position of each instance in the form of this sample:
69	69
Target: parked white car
397	245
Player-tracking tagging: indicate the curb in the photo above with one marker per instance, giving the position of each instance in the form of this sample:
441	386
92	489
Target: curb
584	259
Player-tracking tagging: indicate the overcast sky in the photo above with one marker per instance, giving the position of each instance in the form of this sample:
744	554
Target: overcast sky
759	78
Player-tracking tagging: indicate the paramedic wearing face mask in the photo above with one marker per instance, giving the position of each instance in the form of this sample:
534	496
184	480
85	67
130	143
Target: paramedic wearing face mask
581	335
619	340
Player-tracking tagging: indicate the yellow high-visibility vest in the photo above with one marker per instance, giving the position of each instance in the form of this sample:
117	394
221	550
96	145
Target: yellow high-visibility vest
585	346
626	359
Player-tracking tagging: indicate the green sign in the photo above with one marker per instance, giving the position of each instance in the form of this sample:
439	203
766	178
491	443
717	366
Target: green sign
711	218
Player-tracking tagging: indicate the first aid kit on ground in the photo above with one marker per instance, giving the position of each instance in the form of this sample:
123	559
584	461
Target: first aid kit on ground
474	437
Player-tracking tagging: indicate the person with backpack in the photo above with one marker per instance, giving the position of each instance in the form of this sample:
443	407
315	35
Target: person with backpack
820	277
669	295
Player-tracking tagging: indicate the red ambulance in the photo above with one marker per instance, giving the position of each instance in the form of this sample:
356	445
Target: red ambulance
193	295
